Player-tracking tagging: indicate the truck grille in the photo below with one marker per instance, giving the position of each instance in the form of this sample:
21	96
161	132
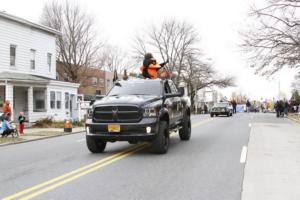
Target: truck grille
117	114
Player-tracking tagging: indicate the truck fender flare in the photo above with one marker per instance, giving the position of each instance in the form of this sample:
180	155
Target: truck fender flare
164	115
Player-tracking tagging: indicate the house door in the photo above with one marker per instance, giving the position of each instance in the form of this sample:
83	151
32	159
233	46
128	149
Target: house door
20	103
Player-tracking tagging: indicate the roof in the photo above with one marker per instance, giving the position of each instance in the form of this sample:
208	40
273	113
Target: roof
28	23
10	76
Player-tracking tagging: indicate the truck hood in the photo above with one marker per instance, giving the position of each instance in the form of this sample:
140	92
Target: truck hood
138	100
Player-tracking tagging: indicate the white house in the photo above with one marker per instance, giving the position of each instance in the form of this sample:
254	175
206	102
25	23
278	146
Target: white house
28	71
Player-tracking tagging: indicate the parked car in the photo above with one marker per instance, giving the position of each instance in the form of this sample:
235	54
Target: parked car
222	108
139	110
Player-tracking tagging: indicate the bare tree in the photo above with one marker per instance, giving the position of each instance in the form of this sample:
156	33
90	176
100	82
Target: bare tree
178	42
172	40
115	59
78	45
273	42
198	75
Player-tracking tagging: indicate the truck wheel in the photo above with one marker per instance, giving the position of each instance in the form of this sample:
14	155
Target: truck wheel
160	144
211	115
185	131
95	146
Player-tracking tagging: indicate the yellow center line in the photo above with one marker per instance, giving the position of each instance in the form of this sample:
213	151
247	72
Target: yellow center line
51	187
202	122
75	174
68	174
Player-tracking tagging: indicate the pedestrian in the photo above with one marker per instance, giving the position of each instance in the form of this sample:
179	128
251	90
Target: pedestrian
21	123
6	127
286	108
248	104
150	68
6	110
205	109
234	105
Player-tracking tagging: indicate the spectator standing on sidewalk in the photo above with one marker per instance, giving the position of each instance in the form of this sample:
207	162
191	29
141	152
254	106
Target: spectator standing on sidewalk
234	105
6	110
205	109
286	108
248	104
21	123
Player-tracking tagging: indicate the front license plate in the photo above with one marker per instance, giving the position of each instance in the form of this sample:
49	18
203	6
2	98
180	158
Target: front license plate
114	128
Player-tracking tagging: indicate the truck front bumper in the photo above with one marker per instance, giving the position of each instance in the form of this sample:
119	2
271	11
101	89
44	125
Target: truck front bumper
132	132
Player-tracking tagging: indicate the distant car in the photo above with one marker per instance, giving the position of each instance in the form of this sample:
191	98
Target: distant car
223	108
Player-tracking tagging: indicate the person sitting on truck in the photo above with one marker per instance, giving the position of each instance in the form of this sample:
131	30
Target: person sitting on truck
150	68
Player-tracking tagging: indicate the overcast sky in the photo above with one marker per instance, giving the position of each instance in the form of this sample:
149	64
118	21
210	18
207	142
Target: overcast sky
218	23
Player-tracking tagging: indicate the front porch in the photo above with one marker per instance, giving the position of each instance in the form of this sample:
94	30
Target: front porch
25	98
38	97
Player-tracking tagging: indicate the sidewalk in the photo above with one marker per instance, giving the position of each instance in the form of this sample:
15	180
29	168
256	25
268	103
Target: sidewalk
272	171
31	134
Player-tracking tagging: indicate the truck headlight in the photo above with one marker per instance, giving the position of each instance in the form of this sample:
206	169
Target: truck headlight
152	109
150	112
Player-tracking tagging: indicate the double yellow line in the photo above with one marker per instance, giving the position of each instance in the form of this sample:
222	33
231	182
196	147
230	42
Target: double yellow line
75	174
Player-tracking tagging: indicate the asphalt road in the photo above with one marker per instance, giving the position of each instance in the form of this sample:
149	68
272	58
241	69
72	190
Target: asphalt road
207	167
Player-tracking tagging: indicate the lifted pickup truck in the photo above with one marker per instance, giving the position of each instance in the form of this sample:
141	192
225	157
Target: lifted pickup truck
137	111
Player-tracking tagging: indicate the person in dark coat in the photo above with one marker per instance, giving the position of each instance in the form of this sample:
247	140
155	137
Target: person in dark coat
234	105
286	108
248	104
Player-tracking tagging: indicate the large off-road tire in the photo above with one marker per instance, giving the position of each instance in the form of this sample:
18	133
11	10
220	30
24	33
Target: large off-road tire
211	115
160	144
95	146
185	131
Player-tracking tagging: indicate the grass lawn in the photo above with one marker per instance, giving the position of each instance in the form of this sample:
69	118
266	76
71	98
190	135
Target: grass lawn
294	116
45	133
9	139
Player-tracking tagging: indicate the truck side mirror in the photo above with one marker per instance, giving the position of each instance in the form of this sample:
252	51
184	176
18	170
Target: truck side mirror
181	91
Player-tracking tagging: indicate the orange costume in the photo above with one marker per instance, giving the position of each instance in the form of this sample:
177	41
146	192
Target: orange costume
152	70
6	108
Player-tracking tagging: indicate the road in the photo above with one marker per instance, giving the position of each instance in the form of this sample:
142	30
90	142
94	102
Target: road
206	167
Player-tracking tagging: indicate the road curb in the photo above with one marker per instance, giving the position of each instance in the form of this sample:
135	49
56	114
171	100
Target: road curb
42	138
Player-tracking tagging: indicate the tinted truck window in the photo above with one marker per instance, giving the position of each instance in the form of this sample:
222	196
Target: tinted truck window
136	88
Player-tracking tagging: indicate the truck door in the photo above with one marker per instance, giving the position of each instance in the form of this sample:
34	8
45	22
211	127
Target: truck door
177	102
170	103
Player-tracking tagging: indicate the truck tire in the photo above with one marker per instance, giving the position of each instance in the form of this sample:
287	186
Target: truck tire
95	146
211	115
160	144
185	131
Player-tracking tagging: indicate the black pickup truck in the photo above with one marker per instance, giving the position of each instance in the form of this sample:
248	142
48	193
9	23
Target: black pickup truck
137	111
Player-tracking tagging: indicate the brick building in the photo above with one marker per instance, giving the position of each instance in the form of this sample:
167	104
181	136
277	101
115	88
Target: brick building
92	81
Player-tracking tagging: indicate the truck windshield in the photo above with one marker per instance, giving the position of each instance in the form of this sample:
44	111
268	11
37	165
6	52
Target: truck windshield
136	88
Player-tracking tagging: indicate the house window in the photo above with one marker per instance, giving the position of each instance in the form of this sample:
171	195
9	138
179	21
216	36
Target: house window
32	59
98	92
39	100
94	81
13	55
49	55
101	81
66	77
108	85
58	100
67	100
52	100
